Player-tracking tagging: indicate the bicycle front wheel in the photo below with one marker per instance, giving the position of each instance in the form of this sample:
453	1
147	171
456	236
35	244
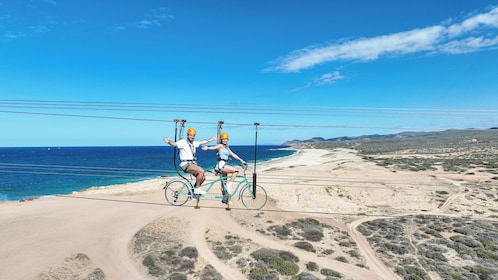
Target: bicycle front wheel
253	200
177	192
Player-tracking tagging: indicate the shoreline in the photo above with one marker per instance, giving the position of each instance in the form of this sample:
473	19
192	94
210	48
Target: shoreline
162	174
92	230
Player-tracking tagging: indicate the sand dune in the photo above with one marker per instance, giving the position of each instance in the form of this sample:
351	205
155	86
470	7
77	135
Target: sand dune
108	233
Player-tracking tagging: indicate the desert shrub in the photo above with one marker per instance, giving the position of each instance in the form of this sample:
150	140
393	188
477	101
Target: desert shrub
189	252
310	229
282	232
150	262
432	232
354	254
236	249
342	259
411	272
210	273
346	244
97	274
281	261
222	253
312	234
288	268
305	276
483	272
330	272
242	262
304	223
288	256
312	266
178	276
396	249
433	255
187	265
260	271
305	246
167	254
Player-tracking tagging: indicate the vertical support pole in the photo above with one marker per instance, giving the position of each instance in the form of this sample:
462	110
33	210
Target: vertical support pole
175	149
181	129
220	127
255	156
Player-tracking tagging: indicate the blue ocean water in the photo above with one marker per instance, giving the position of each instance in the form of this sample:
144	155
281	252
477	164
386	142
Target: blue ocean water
36	172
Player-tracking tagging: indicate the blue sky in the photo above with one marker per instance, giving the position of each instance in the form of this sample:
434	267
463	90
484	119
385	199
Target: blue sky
86	73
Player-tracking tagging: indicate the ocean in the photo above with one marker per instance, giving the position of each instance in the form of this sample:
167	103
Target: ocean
45	171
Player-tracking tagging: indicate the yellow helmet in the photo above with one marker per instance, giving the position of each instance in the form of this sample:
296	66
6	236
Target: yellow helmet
224	135
191	131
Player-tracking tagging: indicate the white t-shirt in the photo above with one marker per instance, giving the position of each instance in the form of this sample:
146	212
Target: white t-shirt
186	149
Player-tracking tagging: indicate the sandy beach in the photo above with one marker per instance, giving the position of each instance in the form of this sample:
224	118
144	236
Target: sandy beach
108	233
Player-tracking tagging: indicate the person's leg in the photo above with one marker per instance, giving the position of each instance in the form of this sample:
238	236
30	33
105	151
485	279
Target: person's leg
200	177
230	170
198	172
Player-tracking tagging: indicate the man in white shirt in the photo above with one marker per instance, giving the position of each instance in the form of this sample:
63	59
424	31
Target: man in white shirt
187	148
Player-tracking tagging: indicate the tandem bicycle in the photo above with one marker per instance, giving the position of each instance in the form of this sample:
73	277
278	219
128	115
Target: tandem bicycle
179	190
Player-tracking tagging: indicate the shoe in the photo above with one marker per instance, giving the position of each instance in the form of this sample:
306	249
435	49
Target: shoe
225	199
229	188
199	191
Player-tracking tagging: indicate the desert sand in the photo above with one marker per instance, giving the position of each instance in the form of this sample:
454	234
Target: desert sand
91	234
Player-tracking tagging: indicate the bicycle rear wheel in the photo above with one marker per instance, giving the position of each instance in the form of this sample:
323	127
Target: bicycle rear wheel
251	200
177	192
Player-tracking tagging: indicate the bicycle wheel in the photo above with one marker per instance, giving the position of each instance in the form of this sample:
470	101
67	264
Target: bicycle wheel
177	192
251	201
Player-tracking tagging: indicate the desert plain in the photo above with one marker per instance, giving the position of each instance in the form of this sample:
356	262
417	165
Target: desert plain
422	207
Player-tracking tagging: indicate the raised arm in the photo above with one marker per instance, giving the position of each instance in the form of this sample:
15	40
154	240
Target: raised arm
215	147
171	143
235	156
205	141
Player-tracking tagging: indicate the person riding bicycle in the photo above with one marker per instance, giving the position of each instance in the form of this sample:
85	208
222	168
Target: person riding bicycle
222	166
187	148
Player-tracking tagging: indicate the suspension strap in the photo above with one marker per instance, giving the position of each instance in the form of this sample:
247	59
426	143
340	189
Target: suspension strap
255	154
175	151
218	133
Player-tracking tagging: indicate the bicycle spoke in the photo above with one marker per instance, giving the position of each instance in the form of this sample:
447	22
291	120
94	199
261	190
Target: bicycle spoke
177	192
254	200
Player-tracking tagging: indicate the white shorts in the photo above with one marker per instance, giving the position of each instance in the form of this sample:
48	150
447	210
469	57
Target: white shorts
220	165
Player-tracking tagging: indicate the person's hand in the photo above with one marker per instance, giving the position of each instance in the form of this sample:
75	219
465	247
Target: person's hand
213	138
166	139
204	148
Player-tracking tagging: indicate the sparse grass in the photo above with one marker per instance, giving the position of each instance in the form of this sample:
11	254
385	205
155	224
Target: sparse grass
470	239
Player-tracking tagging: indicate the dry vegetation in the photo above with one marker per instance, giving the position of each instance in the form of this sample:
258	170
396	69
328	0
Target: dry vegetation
457	244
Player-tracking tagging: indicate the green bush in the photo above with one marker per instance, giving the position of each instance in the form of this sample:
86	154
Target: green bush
342	259
312	234
305	246
330	272
282	232
210	273
281	261
305	276
312	266
190	252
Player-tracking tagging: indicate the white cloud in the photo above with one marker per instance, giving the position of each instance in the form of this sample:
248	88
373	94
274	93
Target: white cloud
301	88
39	29
439	38
323	80
156	18
328	78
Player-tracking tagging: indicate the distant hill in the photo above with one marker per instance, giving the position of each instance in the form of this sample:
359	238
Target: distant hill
401	135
